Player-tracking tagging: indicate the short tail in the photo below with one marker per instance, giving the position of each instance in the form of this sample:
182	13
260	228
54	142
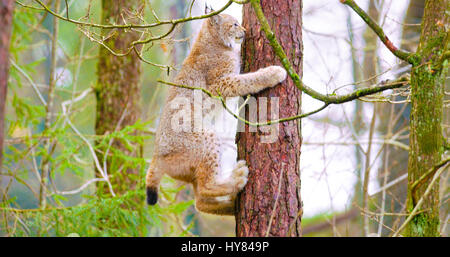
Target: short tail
152	182
152	195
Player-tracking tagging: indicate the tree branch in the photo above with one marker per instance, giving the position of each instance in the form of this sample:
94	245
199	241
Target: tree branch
127	26
425	177
327	99
336	100
404	55
91	149
416	211
256	124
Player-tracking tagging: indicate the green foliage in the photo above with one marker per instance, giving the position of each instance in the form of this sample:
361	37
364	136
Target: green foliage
126	215
23	21
74	208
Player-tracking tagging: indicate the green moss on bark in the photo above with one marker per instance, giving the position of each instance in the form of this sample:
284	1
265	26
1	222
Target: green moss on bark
117	95
424	225
426	145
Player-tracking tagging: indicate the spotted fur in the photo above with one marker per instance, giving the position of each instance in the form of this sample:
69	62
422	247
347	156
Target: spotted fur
207	157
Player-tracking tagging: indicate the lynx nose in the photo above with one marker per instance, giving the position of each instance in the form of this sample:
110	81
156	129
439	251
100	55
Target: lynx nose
241	37
243	33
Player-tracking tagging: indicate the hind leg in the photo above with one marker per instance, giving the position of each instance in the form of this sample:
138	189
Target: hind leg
209	185
223	205
218	173
214	206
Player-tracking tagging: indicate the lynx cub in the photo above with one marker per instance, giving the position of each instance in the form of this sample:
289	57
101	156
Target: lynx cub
203	157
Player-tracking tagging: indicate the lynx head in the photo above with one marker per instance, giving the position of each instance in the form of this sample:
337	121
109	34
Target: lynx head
227	28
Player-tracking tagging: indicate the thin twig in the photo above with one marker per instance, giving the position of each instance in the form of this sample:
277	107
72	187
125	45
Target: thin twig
403	55
327	98
367	172
219	97
390	184
33	85
386	173
374	141
419	204
425	177
81	188
130	25
91	149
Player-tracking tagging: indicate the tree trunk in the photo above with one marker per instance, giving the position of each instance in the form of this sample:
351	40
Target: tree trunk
394	158
369	70
274	179
6	14
118	95
426	140
358	124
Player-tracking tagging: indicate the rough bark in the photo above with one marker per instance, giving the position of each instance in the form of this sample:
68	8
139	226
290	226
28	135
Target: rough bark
255	214
426	140
396	159
6	13
118	93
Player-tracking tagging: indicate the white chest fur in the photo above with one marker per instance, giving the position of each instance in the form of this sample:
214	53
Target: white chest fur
224	126
225	129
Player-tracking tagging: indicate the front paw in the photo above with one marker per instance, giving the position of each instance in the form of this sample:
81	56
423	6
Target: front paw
276	74
240	174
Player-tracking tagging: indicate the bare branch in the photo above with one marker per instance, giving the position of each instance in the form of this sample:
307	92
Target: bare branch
91	149
33	85
391	184
328	99
403	55
367	169
219	97
81	188
130	25
425	177
415	211
241	1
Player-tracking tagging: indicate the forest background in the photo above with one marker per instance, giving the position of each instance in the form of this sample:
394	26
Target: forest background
55	142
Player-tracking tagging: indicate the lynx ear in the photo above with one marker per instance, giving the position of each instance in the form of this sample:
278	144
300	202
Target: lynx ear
216	19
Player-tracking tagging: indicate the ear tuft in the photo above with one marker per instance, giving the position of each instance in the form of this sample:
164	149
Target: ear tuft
216	19
208	9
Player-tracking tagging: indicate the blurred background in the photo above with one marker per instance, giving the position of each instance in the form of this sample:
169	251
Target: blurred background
341	145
